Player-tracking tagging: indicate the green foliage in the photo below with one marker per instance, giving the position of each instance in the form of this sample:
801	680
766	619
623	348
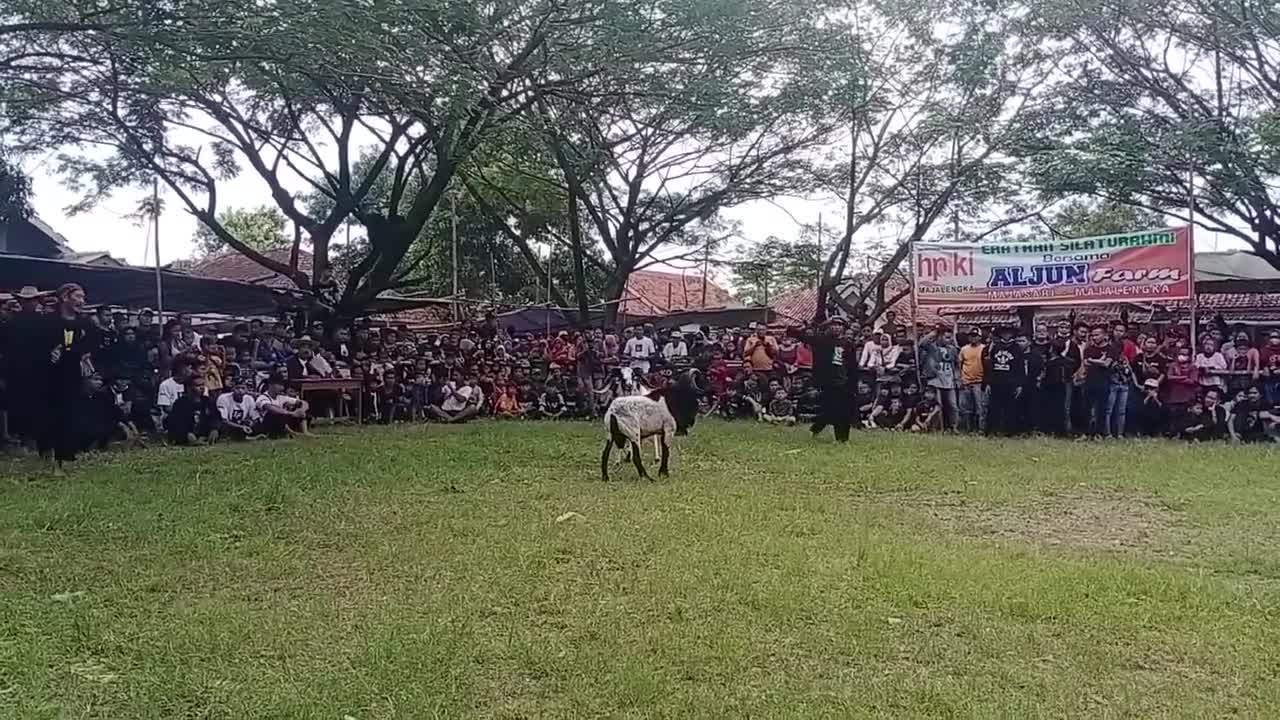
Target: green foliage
1080	218
15	193
406	572
261	228
769	268
1161	96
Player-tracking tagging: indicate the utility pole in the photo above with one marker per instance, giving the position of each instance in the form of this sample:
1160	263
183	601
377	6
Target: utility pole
155	222
706	268
821	260
453	230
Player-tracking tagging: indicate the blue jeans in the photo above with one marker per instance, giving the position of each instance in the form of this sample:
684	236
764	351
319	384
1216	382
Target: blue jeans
973	408
1115	409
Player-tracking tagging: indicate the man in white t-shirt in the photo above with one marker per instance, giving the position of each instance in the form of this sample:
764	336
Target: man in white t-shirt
675	348
282	413
462	401
171	388
239	411
638	351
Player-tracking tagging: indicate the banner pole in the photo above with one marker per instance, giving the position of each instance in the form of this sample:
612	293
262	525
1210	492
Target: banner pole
915	312
1191	252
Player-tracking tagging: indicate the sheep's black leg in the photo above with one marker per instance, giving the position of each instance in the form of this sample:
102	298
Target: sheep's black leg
604	460
666	454
635	457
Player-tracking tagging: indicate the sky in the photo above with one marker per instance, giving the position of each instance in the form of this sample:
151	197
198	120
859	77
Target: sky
110	227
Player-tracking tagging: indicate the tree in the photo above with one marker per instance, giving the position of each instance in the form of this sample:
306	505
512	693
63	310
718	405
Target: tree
1079	218
768	268
261	228
944	98
15	193
1162	100
290	92
718	111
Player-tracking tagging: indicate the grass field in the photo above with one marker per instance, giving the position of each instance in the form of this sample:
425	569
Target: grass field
429	572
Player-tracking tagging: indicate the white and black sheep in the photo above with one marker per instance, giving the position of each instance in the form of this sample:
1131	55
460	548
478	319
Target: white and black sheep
661	413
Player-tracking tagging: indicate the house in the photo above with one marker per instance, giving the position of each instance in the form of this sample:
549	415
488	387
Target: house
652	294
35	238
231	265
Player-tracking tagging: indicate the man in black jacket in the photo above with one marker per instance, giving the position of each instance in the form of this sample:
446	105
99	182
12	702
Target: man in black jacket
1036	359
1006	373
194	418
833	356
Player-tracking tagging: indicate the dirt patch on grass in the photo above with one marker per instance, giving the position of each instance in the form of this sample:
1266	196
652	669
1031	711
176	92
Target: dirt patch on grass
1085	519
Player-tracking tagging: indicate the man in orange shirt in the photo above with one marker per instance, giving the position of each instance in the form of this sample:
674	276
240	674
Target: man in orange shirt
759	350
973	396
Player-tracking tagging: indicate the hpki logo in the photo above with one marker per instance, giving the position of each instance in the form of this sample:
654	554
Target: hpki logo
955	263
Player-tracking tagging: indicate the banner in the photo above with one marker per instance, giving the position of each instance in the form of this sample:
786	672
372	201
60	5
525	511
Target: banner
1148	266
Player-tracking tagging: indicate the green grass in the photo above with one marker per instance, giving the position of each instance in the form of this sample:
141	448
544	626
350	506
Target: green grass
421	572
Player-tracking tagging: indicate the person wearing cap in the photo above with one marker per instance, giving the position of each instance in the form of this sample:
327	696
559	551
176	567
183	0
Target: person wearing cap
64	347
22	339
1152	418
1005	370
973	391
834	364
299	364
675	348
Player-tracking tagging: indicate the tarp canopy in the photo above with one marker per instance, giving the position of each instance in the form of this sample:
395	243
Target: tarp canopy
539	319
1235	271
739	316
136	287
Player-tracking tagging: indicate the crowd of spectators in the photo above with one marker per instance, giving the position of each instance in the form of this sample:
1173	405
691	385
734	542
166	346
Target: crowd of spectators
127	376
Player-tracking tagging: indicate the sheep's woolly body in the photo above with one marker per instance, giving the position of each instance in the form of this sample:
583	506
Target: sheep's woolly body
639	417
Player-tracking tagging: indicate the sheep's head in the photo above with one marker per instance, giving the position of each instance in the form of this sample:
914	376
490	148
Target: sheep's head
682	400
626	378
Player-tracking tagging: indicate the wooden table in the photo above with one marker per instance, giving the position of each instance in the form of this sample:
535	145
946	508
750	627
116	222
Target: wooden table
356	385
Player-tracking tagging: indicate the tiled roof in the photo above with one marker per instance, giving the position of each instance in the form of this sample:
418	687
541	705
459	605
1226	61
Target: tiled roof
798	306
417	318
650	294
1235	307
234	266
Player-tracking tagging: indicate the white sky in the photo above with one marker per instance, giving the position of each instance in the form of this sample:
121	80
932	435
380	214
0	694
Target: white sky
109	225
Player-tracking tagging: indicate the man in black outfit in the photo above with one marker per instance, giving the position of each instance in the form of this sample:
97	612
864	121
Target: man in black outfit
64	343
194	419
833	355
1006	373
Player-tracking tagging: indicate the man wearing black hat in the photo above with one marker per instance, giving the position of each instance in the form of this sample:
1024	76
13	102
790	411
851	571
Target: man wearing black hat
64	346
1006	373
833	358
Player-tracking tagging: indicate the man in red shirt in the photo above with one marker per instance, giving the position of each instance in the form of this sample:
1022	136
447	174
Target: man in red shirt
1128	348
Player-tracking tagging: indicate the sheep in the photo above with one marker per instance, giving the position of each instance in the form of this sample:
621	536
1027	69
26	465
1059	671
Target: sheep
626	382
661	413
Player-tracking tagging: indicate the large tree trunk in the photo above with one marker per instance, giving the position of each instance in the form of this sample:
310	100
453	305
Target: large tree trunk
579	272
614	289
389	240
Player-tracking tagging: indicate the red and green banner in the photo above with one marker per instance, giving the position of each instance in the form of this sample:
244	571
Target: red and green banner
1148	266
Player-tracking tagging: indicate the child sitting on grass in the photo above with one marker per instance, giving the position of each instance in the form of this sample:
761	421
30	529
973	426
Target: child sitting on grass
781	410
927	416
